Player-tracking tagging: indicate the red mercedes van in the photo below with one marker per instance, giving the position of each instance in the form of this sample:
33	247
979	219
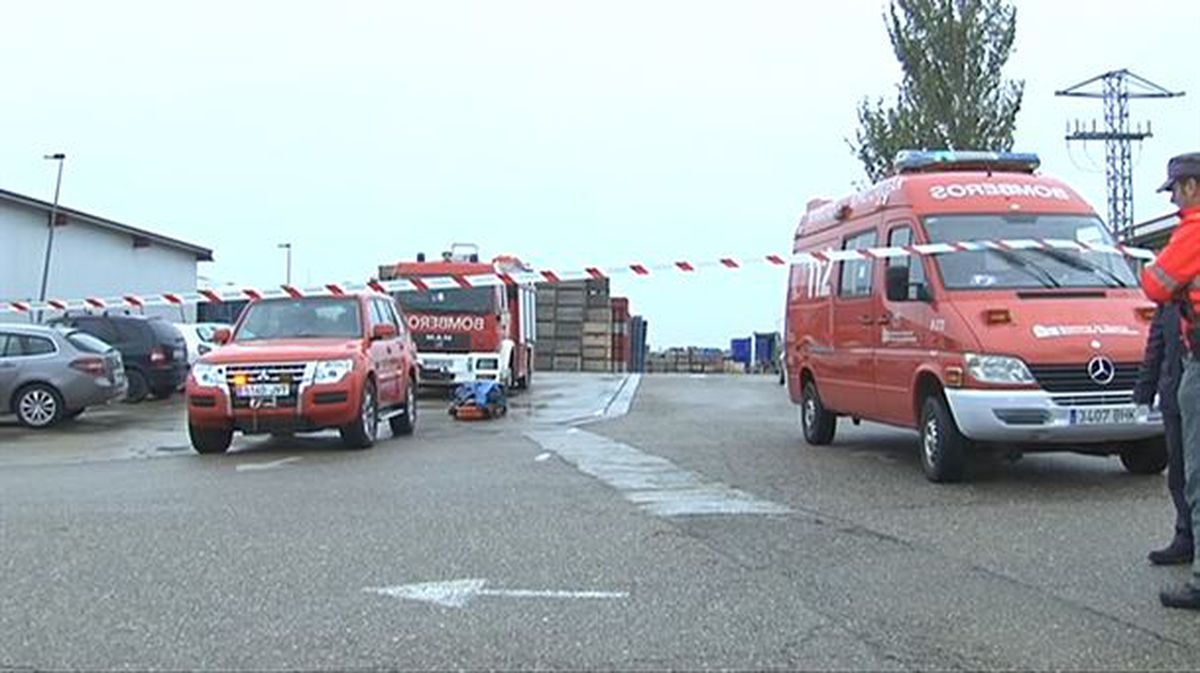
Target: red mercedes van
976	301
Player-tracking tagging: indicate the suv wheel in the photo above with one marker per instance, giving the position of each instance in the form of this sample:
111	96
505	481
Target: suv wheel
139	388
818	424
943	448
361	433
210	440
38	406
406	424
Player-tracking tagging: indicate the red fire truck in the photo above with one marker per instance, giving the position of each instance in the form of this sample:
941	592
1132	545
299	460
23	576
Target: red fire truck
465	334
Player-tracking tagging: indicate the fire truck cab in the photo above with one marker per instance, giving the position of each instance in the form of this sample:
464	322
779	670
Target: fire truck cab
977	302
467	332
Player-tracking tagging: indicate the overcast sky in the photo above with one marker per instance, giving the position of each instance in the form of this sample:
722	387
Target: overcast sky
568	133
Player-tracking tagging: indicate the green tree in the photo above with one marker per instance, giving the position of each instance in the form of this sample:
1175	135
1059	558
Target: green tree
953	94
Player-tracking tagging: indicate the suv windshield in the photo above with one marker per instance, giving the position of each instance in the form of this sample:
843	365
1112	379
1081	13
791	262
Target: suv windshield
475	300
309	318
1022	269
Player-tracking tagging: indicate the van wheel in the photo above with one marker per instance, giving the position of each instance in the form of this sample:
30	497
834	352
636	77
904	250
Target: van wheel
1146	457
361	433
943	448
406	424
210	440
818	424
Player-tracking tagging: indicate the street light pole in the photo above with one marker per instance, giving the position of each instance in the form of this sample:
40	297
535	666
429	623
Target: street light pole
288	247
59	157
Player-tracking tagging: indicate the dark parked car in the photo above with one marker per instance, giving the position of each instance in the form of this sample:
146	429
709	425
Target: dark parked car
154	352
49	375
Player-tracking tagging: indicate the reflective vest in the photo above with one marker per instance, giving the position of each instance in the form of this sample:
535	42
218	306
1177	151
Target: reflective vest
1175	276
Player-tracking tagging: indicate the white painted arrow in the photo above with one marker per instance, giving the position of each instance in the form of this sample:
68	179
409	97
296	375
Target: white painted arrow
457	593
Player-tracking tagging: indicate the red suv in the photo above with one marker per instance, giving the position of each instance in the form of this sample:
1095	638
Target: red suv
306	364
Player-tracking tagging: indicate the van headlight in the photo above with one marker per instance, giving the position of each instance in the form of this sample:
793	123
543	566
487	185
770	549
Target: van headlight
208	376
332	371
998	369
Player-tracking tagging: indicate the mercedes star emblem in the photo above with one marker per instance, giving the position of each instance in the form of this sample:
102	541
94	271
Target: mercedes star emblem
1102	370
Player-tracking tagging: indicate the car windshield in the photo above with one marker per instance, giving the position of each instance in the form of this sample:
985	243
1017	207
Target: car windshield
475	300
1032	268
310	318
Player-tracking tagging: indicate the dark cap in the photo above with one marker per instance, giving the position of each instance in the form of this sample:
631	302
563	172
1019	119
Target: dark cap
1182	166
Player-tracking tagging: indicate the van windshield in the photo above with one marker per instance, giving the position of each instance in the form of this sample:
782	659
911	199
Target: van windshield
1021	269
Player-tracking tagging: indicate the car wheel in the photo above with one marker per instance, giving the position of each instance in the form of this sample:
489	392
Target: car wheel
943	448
1147	457
361	433
139	388
210	440
38	406
407	423
819	425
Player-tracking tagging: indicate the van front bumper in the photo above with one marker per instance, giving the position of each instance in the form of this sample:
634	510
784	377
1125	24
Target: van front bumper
1033	416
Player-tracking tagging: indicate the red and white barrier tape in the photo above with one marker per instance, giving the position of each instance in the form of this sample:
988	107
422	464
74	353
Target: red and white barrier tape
550	276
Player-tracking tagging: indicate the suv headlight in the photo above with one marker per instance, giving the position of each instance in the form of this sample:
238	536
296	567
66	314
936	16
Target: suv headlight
998	369
208	376
332	371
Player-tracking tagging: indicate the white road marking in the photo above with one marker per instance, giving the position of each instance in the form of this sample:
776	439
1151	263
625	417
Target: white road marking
623	400
254	467
544	456
458	593
654	484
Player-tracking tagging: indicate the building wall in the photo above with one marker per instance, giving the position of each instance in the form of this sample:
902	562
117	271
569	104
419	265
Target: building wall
87	261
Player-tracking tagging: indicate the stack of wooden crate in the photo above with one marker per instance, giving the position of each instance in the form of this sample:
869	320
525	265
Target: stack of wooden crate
574	327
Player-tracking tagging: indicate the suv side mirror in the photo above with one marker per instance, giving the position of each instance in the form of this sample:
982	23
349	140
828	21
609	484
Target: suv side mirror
222	336
384	331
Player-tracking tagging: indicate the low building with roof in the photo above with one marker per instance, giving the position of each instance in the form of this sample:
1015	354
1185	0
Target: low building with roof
91	256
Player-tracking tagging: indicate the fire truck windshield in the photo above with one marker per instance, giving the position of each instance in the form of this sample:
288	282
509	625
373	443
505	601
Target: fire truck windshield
1027	268
474	301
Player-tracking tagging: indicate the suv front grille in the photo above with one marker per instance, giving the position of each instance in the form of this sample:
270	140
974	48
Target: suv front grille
291	375
1074	378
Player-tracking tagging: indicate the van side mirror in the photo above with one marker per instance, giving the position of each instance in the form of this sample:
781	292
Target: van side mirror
896	282
222	336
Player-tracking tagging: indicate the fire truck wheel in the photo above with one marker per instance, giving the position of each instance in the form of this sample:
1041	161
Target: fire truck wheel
361	433
943	448
818	424
406	424
1146	457
210	440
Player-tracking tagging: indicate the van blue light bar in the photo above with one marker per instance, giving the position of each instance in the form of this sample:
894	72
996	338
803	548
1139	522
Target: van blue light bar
916	161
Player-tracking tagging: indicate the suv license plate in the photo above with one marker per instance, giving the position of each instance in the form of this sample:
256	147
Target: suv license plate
263	390
1104	416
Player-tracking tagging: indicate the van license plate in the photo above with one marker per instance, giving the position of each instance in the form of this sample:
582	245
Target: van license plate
1103	416
263	390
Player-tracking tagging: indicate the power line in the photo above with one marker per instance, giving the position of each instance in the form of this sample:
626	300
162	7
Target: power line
1116	88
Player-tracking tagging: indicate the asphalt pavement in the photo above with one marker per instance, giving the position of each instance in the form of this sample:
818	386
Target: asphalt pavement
695	531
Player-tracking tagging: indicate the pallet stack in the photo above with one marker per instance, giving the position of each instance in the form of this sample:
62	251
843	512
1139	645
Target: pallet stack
687	360
575	327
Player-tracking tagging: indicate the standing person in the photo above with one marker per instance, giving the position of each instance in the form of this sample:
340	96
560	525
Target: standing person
1161	369
1175	275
